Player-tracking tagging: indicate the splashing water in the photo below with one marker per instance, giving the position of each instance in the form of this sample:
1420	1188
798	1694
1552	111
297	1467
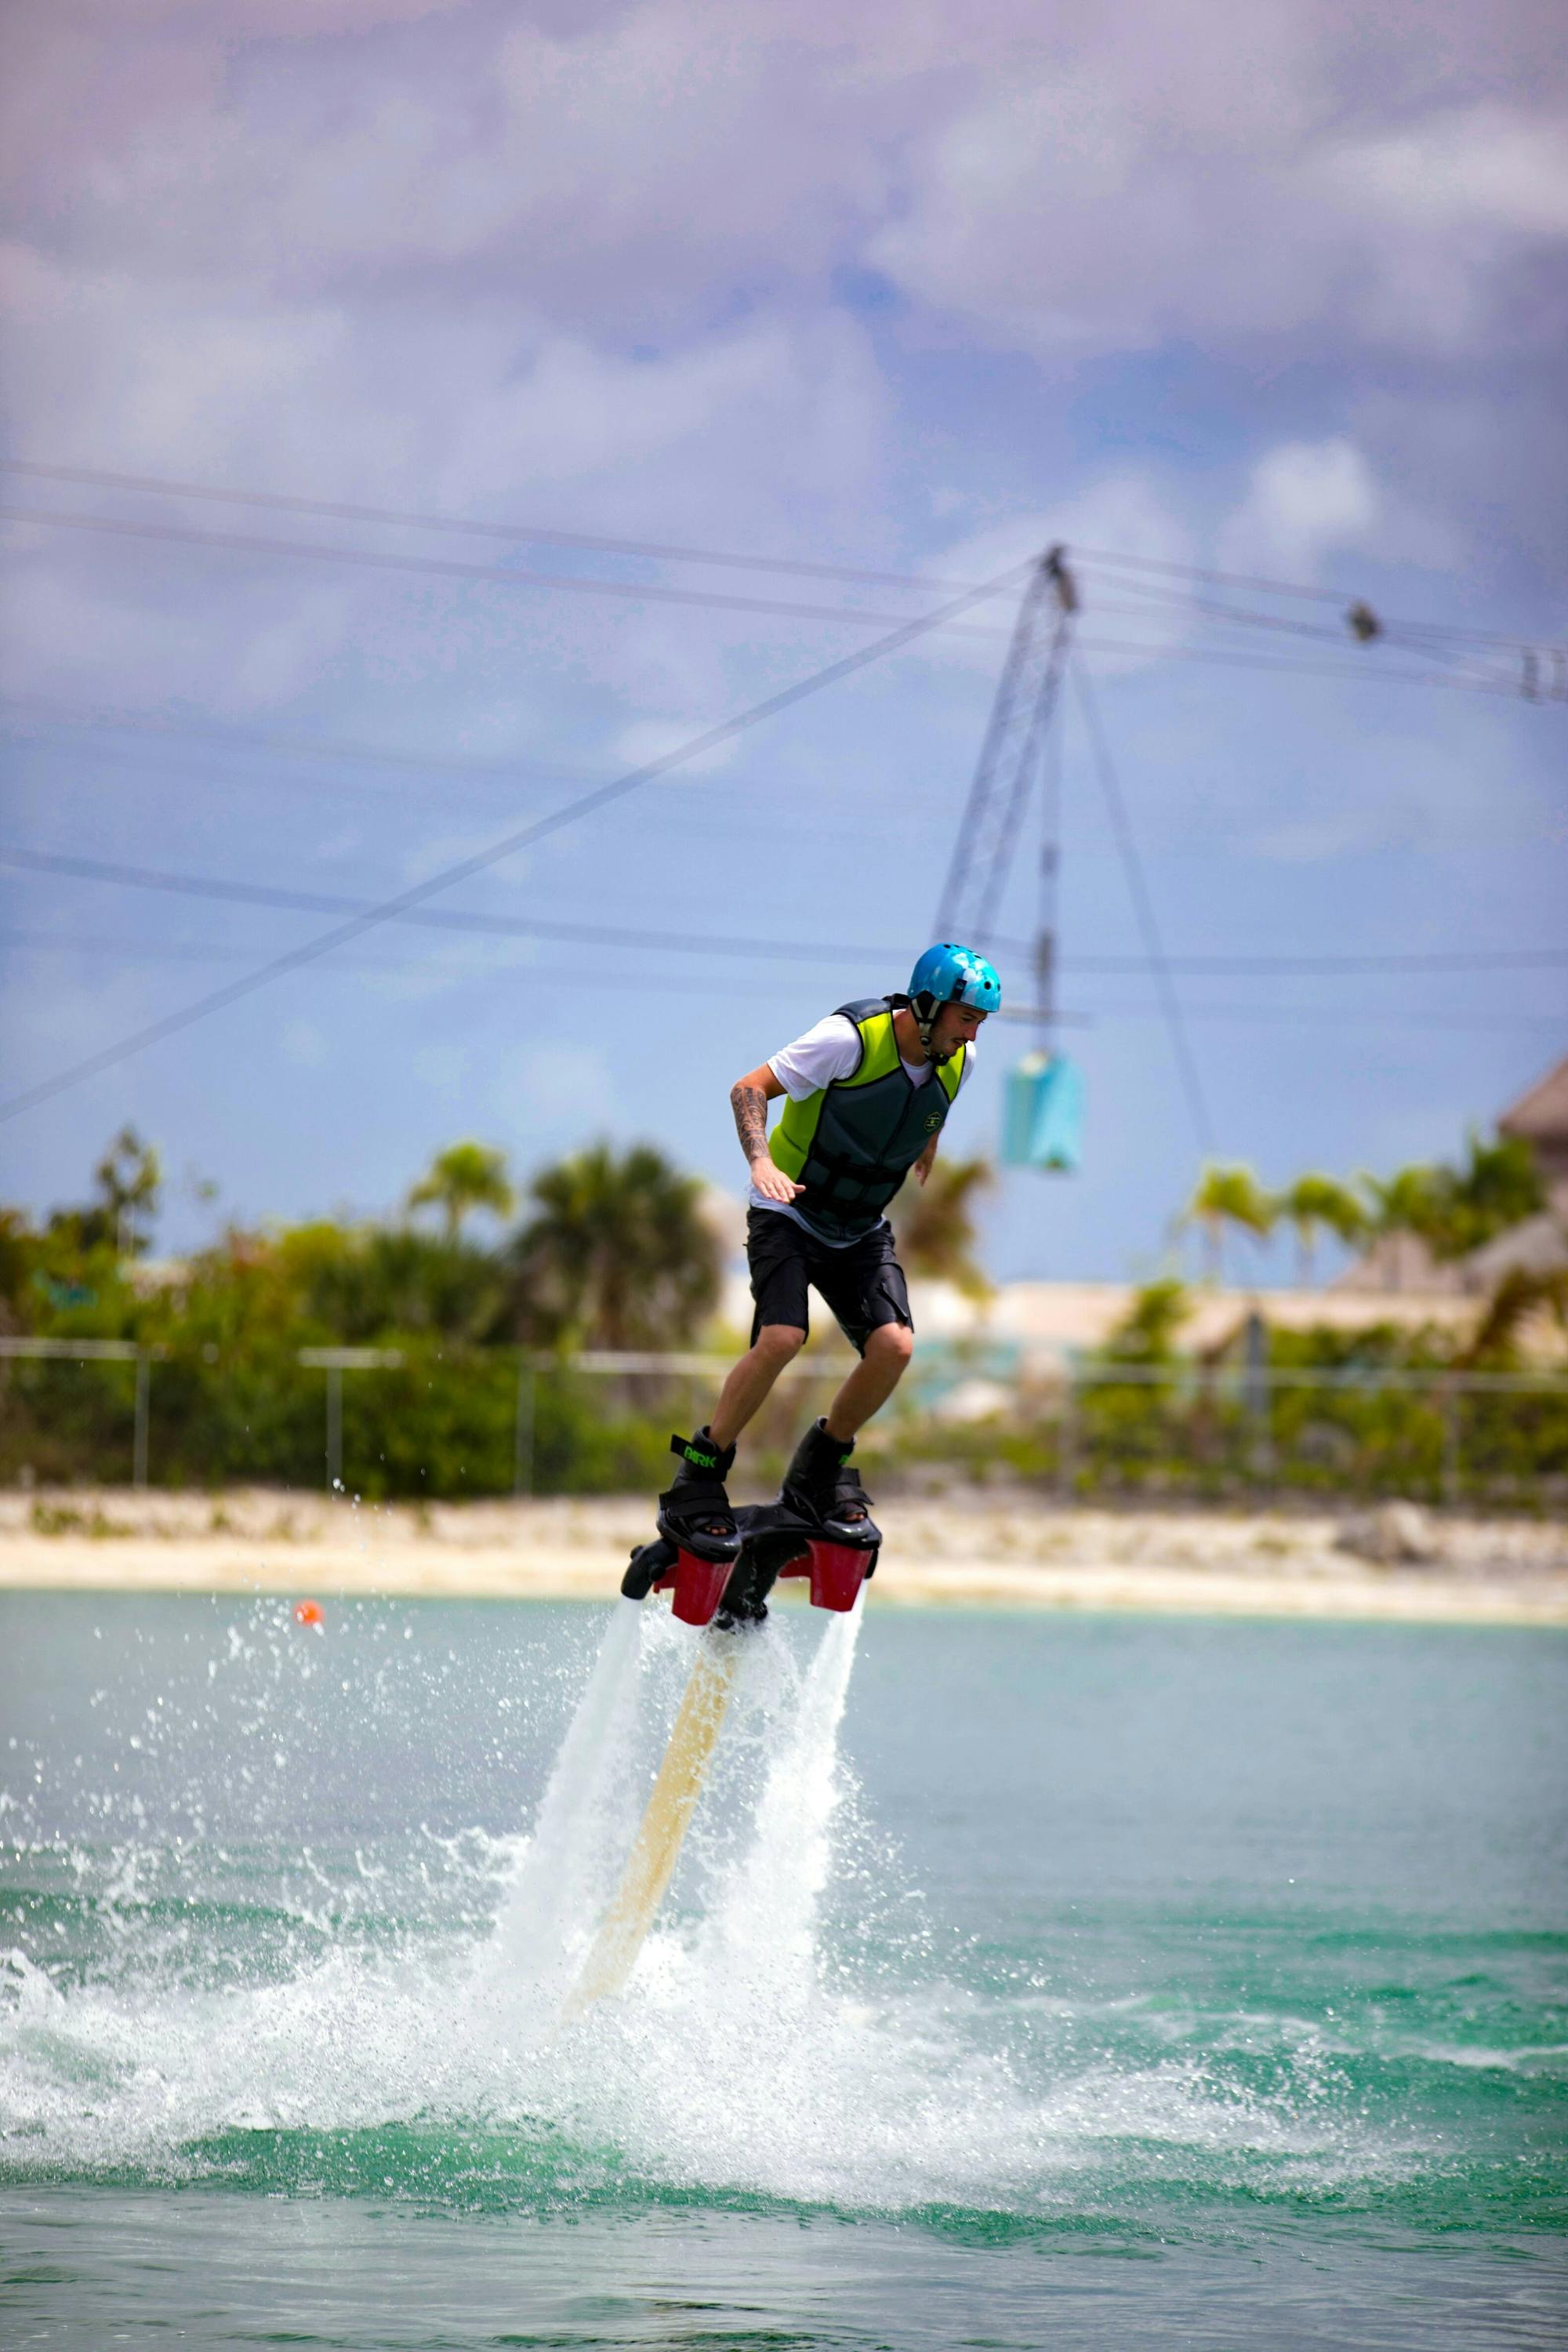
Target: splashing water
152	2065
762	1935
279	2010
757	1936
562	1879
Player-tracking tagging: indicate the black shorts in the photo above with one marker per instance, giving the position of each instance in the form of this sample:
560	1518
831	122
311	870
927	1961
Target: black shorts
863	1283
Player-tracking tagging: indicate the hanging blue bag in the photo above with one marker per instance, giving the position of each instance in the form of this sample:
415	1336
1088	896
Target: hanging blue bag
1042	1121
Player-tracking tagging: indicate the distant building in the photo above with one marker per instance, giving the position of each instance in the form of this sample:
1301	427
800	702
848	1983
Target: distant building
1540	1117
1400	1262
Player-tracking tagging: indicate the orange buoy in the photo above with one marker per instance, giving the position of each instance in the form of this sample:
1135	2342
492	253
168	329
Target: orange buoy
308	1612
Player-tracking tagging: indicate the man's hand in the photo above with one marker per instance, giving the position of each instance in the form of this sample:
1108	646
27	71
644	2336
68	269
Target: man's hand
925	1163
772	1183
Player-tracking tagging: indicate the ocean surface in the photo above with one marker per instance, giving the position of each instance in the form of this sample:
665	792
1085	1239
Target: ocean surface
1026	1981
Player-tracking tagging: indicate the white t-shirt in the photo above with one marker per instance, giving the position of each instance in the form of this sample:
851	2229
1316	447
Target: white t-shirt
830	1050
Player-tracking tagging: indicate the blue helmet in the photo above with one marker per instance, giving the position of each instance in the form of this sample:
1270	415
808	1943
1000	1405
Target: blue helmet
948	974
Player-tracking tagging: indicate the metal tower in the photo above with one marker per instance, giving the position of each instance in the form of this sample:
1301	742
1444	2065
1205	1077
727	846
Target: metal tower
1013	758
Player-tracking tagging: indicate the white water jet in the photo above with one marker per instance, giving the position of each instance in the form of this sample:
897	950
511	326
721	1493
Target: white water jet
763	1933
563	1877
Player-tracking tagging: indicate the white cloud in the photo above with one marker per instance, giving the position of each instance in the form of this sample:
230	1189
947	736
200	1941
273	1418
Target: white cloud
1064	181
1491	166
1190	175
1121	514
586	270
1304	500
663	447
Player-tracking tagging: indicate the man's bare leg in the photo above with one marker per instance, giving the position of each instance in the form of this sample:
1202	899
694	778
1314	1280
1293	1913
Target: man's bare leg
748	1386
872	1381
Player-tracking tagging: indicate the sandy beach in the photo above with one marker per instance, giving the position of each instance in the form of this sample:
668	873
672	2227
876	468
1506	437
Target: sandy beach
1392	1564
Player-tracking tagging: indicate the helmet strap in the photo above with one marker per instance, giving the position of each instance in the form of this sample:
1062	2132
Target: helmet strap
924	1010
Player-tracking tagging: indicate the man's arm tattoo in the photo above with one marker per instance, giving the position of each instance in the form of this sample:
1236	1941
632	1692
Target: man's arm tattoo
750	1105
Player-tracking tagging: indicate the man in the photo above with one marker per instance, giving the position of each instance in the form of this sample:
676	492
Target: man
868	1090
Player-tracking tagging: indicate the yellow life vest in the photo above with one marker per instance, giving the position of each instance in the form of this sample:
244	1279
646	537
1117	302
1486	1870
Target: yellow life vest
853	1142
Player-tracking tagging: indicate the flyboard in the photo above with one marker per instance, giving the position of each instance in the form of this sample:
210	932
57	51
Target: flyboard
721	1597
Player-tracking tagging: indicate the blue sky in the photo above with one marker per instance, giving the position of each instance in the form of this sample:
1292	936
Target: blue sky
914	293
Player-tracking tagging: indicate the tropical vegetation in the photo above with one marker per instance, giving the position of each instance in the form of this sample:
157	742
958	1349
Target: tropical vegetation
1450	1211
455	1326
463	1177
615	1253
935	1225
1228	1196
1316	1204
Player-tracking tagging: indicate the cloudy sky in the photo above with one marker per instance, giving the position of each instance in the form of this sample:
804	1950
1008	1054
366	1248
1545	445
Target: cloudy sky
904	290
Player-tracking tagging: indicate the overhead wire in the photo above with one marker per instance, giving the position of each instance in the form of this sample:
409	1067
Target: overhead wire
26	858
1116	648
678	983
181	766
1406	637
1143	906
1087	558
444	919
1162	599
340	510
503	575
360	915
523	837
1324	967
1239	657
102	478
320	748
1313	1015
643	592
186	764
646	591
211	952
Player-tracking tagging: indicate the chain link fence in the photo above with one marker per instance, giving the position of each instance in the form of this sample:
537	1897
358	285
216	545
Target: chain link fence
424	1419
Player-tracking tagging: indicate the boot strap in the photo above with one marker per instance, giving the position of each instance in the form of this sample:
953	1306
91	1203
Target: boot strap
699	1458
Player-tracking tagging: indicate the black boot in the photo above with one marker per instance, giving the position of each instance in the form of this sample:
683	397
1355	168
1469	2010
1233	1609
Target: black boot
821	1488
695	1512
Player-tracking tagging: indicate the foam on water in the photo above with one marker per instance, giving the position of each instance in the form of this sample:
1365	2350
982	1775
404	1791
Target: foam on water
743	2058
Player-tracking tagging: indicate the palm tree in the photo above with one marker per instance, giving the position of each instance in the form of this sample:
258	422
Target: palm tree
465	1177
1316	1204
1232	1196
1456	1210
935	1223
1410	1202
1499	1185
618	1253
129	1179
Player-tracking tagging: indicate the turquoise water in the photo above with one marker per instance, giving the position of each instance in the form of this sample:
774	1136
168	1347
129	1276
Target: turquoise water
1099	1981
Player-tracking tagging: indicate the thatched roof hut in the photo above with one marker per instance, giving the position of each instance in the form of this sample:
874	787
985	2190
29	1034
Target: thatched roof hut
1540	1117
